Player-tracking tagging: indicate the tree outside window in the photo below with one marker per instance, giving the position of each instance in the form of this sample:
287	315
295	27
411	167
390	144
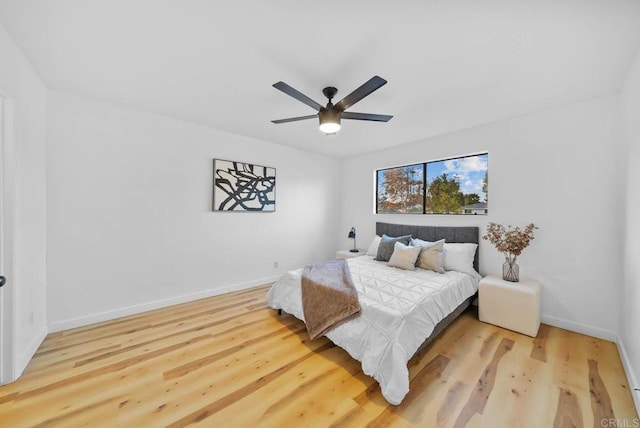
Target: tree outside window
400	190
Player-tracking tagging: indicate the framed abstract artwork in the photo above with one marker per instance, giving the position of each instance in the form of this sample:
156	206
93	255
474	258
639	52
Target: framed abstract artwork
239	186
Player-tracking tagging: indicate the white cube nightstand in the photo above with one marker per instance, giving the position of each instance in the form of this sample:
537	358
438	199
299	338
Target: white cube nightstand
512	305
346	254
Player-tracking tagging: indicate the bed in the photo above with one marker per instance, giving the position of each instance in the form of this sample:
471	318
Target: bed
401	310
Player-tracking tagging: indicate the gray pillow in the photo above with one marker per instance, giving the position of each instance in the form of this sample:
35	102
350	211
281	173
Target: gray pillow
385	249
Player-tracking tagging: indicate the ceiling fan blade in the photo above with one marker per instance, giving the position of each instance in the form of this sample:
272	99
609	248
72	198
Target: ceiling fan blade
295	119
366	116
297	95
367	88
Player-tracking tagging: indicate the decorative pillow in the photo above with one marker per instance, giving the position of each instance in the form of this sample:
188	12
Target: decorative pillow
432	257
421	243
459	257
373	247
385	248
404	257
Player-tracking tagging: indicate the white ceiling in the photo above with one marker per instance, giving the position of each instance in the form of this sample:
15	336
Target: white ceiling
450	64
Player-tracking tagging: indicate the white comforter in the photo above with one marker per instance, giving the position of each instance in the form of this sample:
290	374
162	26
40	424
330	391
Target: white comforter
399	310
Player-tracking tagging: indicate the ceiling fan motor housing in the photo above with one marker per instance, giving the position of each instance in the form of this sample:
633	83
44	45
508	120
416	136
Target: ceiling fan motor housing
330	92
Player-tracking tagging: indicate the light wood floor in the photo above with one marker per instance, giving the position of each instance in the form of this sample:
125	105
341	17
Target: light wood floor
231	361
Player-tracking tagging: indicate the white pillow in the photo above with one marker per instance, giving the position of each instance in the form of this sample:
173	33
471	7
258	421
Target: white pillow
404	257
373	247
459	257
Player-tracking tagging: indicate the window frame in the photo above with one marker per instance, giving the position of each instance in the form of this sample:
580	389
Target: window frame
425	185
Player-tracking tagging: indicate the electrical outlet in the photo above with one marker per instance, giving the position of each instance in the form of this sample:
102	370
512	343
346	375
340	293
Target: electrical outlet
275	265
31	318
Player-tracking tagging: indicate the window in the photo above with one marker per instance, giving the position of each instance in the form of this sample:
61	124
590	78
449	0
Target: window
451	186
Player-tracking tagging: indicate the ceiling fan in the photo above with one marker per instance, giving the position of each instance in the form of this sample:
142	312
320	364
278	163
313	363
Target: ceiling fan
331	115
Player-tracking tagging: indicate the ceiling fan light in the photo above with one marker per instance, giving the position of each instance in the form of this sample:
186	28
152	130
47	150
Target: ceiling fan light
329	128
329	121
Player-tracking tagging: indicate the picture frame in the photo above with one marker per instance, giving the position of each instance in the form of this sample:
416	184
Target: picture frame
243	187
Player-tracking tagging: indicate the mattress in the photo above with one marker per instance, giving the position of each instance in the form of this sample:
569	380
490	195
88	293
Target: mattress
399	310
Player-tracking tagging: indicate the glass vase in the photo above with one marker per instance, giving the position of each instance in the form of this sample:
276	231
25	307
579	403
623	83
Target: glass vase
510	270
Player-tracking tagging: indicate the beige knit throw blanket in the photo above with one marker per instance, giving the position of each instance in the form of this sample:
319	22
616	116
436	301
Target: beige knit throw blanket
328	296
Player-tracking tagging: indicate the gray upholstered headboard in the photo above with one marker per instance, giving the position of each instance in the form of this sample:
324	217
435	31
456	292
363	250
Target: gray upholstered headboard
451	234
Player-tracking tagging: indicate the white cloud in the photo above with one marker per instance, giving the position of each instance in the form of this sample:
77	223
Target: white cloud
466	165
470	186
451	165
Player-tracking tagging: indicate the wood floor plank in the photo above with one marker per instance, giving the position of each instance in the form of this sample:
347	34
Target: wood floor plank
453	399
539	351
618	392
425	379
219	378
304	388
568	413
519	399
480	395
567	355
231	361
243	391
600	400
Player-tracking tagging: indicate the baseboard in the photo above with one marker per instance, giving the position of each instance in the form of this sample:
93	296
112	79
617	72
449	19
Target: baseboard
29	352
631	376
580	328
157	304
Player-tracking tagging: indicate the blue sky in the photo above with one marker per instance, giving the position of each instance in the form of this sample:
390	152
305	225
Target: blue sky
468	171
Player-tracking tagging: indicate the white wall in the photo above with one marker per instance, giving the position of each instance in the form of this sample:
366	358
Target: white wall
130	224
19	82
629	341
556	168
